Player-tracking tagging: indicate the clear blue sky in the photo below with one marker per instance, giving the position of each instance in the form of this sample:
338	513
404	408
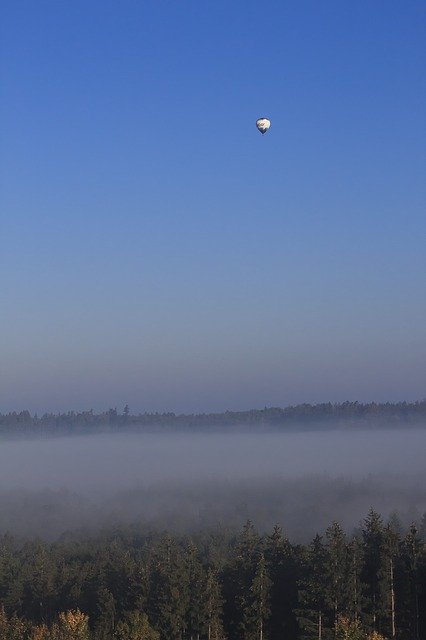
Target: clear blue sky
156	250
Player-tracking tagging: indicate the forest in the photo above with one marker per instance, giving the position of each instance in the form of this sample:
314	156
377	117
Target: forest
136	527
132	583
345	415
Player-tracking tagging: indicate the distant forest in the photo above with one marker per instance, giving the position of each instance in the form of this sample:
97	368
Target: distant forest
302	416
134	584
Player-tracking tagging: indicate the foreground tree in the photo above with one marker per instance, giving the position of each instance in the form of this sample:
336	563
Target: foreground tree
260	610
214	603
372	574
135	626
283	570
355	587
71	625
313	592
336	572
412	550
168	590
239	614
349	629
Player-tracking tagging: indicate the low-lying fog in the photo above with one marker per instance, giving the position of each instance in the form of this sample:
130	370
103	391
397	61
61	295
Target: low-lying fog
185	481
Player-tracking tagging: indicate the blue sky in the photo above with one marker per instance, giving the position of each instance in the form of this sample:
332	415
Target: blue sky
158	251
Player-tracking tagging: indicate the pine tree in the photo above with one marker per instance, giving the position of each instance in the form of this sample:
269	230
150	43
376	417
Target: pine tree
412	550
11	579
38	599
313	592
373	540
336	571
239	578
283	571
355	587
214	603
168	591
105	614
195	618
259	610
135	626
388	579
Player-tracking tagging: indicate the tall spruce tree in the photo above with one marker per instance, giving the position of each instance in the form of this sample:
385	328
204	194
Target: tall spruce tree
311	613
355	588
135	626
168	590
336	572
239	579
413	548
105	614
196	611
259	610
373	540
283	571
388	580
214	607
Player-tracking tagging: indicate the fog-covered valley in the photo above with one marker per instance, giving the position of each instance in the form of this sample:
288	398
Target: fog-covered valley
186	481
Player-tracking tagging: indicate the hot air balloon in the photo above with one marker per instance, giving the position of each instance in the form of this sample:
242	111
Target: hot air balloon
263	124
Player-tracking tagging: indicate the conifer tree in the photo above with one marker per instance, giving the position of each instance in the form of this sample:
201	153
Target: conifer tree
283	572
313	586
239	578
336	571
387	574
214	603
105	614
196	611
413	548
11	578
39	583
135	626
168	591
373	540
355	587
259	611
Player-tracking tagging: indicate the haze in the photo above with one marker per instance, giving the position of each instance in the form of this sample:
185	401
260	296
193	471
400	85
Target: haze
188	480
158	251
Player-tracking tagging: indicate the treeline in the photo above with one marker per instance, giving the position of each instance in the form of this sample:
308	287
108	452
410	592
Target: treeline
326	415
136	585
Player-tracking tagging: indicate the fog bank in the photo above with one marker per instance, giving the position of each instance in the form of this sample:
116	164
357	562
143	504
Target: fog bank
185	481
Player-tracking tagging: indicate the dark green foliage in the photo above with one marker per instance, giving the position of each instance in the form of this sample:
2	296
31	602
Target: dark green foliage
168	596
214	607
356	601
239	577
129	585
336	572
372	574
313	591
283	569
412	551
135	626
105	614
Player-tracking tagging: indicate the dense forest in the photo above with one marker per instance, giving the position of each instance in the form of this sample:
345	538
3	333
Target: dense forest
326	415
158	552
134	584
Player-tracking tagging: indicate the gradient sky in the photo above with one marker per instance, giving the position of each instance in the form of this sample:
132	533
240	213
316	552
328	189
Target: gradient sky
156	250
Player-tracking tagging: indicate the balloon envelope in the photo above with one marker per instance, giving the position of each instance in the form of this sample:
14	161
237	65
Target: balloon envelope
263	124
